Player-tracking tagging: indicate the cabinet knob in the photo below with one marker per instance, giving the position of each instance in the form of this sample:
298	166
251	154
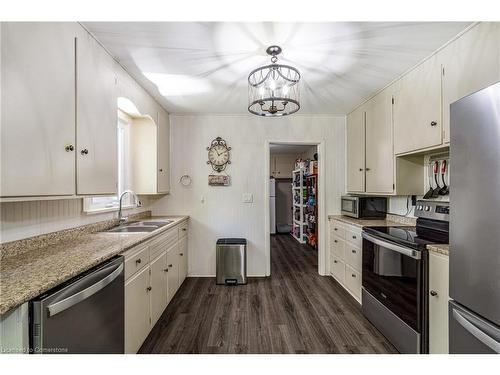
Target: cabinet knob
433	293
335	241
361	169
367	169
335	229
170	266
161	170
433	123
184	229
149	288
84	151
165	270
354	237
335	261
138	261
353	275
353	251
69	148
181	254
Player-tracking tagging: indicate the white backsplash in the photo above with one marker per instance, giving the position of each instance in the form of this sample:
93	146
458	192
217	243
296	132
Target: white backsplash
20	220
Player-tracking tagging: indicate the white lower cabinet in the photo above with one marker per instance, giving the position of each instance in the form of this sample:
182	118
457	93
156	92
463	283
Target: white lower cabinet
158	286
183	260
152	278
438	303
173	271
137	315
345	256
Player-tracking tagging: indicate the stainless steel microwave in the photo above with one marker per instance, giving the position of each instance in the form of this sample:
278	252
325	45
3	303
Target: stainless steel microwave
364	207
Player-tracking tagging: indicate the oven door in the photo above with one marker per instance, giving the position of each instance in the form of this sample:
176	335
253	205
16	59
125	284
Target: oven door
349	206
393	275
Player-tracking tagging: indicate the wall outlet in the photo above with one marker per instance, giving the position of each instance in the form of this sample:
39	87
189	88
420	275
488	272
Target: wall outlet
247	198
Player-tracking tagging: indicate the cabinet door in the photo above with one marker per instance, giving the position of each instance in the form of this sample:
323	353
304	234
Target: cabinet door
163	145
417	108
355	143
285	164
470	63
158	287
183	259
438	303
97	157
379	147
137	313
37	109
173	271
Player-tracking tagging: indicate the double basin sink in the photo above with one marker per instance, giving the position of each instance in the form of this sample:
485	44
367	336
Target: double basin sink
139	226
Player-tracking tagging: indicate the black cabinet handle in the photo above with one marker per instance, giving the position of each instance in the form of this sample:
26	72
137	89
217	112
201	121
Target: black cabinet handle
148	289
353	275
84	151
170	266
433	123
165	270
353	251
354	237
138	261
335	261
433	293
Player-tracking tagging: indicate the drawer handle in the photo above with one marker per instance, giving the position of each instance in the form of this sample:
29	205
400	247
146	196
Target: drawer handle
138	261
433	293
353	251
148	289
170	266
181	254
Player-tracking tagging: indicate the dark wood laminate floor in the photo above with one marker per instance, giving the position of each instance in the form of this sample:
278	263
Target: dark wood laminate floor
294	311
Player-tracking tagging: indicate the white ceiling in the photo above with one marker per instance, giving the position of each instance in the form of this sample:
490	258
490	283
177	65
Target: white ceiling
341	63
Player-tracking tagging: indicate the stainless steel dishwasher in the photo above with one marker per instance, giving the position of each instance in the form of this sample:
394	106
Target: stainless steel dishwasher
84	315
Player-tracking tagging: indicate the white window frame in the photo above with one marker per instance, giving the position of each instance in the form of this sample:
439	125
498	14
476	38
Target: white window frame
93	205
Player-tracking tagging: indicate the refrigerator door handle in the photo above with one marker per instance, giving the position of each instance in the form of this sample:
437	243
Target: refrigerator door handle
66	303
475	328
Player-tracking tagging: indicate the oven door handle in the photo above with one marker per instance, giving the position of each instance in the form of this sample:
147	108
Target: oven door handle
388	245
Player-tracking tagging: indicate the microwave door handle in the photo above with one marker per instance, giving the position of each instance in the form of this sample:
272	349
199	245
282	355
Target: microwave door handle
474	328
387	245
66	303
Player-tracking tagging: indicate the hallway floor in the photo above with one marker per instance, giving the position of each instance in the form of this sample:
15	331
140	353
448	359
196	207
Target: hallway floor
294	311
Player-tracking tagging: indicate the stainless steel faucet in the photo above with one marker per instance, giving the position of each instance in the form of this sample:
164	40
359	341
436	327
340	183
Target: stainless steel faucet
121	219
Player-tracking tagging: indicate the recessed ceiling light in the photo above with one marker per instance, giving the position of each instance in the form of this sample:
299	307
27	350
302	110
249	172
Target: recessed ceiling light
178	84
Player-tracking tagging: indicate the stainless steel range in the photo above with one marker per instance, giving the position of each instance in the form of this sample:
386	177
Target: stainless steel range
395	275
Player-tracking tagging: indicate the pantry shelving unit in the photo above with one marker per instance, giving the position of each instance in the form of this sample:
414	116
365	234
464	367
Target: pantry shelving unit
299	228
311	209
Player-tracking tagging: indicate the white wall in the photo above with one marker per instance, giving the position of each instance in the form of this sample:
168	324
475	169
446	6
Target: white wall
223	214
20	220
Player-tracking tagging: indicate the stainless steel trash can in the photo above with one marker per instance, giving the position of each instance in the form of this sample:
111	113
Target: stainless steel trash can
231	268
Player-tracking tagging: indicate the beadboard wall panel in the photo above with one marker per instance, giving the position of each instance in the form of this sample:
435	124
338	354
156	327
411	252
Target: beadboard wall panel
27	219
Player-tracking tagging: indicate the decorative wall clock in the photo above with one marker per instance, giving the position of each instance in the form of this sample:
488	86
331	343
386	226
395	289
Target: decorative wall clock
218	154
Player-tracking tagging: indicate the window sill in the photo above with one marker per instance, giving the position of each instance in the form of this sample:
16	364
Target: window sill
107	209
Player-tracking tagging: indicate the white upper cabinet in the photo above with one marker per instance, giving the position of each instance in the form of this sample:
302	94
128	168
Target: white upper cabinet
417	108
355	158
37	109
470	63
163	180
379	145
96	152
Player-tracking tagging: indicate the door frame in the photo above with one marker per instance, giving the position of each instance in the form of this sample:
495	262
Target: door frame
322	224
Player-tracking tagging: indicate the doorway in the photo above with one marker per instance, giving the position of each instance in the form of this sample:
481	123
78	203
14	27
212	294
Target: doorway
293	200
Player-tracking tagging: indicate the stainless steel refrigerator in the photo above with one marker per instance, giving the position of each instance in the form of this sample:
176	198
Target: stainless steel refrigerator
474	312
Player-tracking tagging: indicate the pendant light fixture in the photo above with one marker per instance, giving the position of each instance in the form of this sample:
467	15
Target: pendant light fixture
273	90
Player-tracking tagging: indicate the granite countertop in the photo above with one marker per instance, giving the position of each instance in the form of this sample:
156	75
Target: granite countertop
390	220
440	249
28	274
